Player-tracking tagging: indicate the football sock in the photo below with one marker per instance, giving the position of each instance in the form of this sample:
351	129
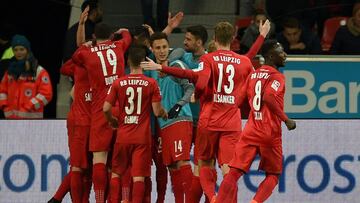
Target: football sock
196	190
161	181
87	183
228	187
115	185
208	180
100	181
107	191
138	192
125	185
177	188
186	176
63	188
266	187
76	186
147	195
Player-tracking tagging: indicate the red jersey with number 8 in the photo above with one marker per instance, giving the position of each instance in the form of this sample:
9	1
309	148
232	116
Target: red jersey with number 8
222	73
264	125
104	63
135	94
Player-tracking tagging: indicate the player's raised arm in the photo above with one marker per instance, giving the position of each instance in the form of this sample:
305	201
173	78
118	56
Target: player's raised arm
173	22
80	33
264	29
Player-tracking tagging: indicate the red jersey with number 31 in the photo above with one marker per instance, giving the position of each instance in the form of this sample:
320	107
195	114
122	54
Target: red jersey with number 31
221	76
104	63
135	94
264	125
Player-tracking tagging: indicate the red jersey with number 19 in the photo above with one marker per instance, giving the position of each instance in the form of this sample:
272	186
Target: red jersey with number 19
135	94
221	75
104	63
265	90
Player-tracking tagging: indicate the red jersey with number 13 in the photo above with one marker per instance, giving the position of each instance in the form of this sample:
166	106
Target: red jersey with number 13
104	64
222	73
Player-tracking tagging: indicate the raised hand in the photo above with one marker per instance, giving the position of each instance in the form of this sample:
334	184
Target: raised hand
264	28
175	21
84	15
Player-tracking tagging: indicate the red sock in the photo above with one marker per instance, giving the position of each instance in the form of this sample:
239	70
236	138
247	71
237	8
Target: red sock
87	183
147	193
228	187
115	185
107	191
138	192
186	179
125	185
76	186
63	188
177	188
196	190
266	187
100	181
208	180
161	181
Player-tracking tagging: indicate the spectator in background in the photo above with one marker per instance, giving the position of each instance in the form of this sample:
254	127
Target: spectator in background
252	32
162	9
25	88
347	38
297	40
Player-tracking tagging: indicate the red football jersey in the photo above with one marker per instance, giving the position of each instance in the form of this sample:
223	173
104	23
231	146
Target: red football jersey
81	105
265	90
221	76
104	64
135	94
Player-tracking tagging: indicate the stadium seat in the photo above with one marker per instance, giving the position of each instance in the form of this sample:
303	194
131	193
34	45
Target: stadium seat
330	27
243	22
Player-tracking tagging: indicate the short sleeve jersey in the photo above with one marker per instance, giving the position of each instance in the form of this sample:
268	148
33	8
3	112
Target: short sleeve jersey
104	63
221	75
264	126
135	94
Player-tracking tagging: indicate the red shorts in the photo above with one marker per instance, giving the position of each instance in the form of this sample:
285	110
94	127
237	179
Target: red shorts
101	134
270	157
136	156
78	145
176	142
216	144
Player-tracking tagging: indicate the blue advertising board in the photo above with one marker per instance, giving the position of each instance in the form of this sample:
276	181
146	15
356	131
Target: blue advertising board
322	87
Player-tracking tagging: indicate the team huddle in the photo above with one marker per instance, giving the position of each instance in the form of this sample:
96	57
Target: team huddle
119	122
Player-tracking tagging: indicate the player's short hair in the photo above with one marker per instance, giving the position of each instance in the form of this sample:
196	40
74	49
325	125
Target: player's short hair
268	46
103	31
199	32
158	36
291	23
137	54
93	4
224	33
